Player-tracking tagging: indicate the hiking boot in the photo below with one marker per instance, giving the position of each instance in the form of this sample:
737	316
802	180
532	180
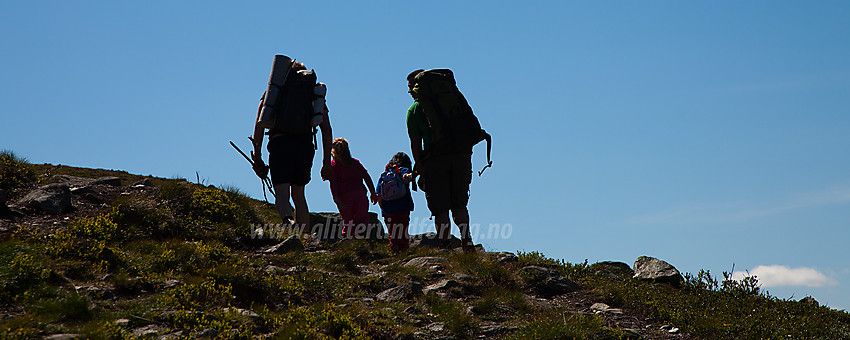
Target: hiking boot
468	246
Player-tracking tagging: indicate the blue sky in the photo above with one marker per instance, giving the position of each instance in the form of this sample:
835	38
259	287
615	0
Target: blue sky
704	134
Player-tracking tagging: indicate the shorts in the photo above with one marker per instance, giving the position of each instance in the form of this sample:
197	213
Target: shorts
291	159
445	180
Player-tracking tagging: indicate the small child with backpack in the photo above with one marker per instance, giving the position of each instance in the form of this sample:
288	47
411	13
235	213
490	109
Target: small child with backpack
348	190
396	201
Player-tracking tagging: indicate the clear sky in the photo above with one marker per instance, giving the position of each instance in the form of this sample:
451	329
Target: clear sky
706	134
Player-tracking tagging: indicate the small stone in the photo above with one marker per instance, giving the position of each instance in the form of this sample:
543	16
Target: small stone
506	257
442	285
673	330
111	181
122	322
292	243
149	330
402	292
426	262
64	336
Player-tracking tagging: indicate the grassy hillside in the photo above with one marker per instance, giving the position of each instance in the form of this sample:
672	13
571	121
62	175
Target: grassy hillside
175	259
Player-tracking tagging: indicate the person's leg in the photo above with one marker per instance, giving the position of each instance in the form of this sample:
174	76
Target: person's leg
281	202
461	177
361	218
302	213
346	214
443	226
436	182
461	219
397	224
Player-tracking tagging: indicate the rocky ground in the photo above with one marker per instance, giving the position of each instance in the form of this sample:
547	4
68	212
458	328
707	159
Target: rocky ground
68	198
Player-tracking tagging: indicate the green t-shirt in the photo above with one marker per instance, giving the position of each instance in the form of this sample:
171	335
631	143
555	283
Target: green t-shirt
417	125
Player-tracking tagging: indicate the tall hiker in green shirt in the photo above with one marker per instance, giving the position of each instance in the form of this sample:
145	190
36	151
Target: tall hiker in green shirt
442	131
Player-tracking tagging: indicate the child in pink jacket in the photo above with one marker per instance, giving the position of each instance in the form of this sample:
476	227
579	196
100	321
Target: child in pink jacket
348	190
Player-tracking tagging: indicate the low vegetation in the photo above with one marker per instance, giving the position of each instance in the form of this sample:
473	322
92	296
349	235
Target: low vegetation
177	259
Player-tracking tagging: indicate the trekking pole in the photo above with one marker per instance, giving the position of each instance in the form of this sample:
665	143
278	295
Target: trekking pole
265	180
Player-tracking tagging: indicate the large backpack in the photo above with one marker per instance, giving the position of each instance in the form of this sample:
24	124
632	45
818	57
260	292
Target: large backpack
288	103
392	185
453	126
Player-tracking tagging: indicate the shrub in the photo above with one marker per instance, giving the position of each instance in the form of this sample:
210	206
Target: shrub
198	296
14	171
18	273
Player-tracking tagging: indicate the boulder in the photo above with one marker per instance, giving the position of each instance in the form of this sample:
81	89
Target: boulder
650	268
143	183
557	286
426	262
401	292
72	181
292	243
615	271
111	181
506	257
442	285
53	198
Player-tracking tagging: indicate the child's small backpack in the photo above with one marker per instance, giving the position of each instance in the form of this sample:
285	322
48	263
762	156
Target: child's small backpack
392	185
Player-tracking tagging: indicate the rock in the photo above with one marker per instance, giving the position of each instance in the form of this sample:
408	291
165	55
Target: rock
810	301
143	183
123	323
650	268
292	243
463	277
436	327
630	333
425	262
72	181
492	330
171	284
273	269
176	334
149	330
96	293
244	312
53	198
208	333
600	307
557	286
442	285
506	257
402	292
111	181
614	271
64	336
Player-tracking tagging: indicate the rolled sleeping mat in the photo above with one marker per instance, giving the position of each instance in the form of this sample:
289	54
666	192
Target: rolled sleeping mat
320	90
280	70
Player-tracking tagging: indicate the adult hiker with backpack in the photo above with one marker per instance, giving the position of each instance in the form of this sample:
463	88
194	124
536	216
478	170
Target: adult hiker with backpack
292	107
442	131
